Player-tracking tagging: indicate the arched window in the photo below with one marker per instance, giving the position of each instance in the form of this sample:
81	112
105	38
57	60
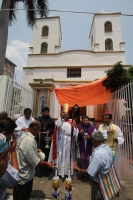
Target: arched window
108	44
45	30
108	26
44	47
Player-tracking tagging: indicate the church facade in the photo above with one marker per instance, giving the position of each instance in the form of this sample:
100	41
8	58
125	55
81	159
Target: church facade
49	68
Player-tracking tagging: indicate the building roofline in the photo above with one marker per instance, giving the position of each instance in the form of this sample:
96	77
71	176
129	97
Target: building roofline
10	62
81	66
76	50
104	13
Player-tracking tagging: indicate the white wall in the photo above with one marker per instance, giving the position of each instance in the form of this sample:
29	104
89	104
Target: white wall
115	35
90	111
53	38
99	35
54	105
76	58
59	74
54	64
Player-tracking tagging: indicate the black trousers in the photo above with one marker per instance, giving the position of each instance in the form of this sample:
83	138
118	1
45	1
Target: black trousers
95	191
42	170
22	192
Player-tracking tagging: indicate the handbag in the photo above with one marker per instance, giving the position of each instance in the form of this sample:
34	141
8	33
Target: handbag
109	184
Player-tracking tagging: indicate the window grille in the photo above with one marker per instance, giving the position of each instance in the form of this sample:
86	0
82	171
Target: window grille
73	73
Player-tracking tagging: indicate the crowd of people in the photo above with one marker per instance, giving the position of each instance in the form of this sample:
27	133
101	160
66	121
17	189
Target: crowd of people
63	142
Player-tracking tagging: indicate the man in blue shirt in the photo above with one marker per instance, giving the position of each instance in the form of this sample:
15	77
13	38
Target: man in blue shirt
100	163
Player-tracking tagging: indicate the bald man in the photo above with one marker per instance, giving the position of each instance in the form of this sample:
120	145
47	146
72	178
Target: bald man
28	160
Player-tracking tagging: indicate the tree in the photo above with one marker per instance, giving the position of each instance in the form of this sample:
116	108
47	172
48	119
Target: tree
117	77
8	16
130	73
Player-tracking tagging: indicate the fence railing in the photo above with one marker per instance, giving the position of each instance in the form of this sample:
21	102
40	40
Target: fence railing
16	98
121	107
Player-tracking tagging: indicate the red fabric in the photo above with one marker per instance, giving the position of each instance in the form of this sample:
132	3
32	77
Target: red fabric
54	145
84	95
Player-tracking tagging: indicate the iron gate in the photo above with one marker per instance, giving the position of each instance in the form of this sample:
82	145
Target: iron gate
121	107
15	97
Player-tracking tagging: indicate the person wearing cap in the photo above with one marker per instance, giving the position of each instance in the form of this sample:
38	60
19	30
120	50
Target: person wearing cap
23	122
11	175
66	131
113	137
28	160
4	154
47	129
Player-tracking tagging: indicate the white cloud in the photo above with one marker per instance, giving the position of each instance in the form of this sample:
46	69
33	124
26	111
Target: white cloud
17	53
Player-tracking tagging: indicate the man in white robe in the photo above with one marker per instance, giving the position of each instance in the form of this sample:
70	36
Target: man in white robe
109	130
23	122
65	137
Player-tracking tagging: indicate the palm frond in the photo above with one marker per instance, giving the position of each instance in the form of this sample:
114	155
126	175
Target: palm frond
42	6
30	14
12	14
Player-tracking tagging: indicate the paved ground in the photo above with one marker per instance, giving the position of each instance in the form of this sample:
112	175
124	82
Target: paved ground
81	189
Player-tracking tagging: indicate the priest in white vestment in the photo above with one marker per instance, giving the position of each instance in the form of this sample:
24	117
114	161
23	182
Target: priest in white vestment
23	122
114	138
65	139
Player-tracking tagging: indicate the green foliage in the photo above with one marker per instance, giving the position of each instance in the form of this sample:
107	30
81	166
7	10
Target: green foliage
33	9
130	73
117	76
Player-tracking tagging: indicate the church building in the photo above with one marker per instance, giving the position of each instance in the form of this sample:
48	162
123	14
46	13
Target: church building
49	68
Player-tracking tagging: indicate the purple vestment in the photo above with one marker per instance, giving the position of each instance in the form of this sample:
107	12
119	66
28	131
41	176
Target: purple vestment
85	153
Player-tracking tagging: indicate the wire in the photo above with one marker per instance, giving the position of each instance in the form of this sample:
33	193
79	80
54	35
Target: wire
70	11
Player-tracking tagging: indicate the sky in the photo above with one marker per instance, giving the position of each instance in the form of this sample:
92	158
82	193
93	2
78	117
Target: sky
75	28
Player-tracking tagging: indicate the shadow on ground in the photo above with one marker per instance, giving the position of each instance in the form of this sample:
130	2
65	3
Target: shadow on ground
38	194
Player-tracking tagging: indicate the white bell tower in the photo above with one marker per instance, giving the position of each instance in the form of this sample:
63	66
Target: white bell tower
106	33
46	36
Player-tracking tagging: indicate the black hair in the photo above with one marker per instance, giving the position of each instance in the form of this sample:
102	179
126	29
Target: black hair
45	108
34	124
110	115
3	115
7	125
27	110
85	117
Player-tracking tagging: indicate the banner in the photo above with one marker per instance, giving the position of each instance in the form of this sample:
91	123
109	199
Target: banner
84	95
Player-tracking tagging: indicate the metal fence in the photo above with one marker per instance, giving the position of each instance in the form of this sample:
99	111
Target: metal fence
121	107
16	98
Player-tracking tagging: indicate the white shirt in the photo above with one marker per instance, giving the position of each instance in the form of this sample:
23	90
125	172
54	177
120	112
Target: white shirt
22	122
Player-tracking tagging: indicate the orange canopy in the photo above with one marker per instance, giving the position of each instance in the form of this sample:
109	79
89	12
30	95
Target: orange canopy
84	95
